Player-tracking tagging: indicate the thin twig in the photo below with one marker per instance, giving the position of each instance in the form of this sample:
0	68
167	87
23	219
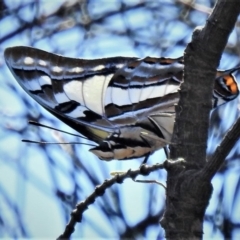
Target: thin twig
76	215
222	151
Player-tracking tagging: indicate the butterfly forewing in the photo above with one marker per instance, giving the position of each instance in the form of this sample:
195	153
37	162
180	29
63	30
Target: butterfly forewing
73	88
126	105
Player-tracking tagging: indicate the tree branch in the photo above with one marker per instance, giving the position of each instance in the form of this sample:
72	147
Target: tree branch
76	215
201	58
187	194
222	151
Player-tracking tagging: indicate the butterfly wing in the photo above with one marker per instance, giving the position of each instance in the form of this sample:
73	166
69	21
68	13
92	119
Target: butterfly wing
147	87
139	99
124	104
225	87
71	89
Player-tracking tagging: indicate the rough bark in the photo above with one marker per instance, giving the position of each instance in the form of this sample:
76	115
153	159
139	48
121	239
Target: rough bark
188	193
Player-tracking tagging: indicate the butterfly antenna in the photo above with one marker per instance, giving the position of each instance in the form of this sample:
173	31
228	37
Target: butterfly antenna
45	126
30	141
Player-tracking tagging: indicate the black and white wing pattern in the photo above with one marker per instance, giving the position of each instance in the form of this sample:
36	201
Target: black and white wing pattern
125	105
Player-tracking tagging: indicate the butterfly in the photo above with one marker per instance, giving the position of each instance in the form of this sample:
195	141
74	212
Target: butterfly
124	104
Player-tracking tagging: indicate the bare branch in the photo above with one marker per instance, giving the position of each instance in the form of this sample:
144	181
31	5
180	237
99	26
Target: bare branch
76	215
222	151
198	7
201	59
187	194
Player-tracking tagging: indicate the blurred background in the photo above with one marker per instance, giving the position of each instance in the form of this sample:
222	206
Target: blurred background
41	184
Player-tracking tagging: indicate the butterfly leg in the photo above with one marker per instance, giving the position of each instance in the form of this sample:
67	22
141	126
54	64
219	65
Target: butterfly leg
146	159
167	152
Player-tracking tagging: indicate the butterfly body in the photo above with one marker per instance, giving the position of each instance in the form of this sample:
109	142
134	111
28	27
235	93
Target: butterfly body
125	105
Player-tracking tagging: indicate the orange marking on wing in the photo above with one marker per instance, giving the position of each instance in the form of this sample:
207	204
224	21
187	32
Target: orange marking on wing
229	80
